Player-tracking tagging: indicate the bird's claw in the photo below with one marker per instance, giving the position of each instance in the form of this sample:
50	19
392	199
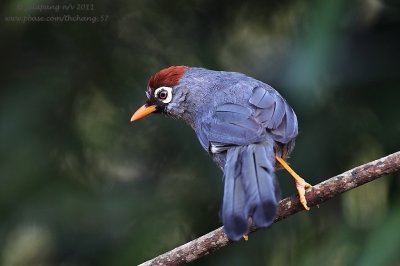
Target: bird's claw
302	186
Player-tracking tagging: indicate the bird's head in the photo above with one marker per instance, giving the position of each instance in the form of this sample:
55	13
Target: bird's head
164	95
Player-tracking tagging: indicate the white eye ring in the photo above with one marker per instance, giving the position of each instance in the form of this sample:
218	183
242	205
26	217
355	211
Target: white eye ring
168	90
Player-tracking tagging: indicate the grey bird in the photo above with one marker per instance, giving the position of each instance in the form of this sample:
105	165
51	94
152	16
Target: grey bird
246	126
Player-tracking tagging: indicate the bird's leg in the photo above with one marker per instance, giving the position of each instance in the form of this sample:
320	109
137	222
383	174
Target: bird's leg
301	184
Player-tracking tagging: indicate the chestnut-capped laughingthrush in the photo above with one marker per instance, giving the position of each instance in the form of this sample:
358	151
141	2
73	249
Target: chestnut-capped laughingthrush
247	128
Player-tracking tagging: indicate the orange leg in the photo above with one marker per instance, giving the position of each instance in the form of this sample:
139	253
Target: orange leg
301	184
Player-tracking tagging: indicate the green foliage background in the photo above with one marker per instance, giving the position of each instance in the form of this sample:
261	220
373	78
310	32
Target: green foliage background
81	185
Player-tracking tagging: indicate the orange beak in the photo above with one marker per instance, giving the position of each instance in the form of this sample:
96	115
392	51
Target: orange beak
142	112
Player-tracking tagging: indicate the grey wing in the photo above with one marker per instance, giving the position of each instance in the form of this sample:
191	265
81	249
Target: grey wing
268	114
230	124
275	114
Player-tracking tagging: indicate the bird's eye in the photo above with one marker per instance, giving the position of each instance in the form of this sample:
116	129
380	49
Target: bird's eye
164	94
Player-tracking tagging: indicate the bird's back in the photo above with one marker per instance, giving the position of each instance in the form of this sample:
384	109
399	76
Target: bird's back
220	98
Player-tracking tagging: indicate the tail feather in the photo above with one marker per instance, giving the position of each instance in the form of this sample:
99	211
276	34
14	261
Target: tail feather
251	189
233	214
259	183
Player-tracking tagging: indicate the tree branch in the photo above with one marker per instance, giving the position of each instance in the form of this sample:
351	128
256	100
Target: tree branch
318	194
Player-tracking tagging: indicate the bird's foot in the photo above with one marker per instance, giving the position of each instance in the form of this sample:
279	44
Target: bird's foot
246	237
302	186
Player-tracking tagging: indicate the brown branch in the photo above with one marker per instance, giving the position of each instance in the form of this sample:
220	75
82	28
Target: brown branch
316	195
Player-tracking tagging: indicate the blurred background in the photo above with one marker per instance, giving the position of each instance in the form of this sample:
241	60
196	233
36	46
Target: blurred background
81	185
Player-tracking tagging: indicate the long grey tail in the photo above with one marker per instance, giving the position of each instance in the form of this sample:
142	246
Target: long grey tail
251	189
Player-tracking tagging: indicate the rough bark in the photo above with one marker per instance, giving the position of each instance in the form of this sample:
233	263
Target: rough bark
316	195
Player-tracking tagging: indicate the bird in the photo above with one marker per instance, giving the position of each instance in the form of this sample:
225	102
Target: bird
246	126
